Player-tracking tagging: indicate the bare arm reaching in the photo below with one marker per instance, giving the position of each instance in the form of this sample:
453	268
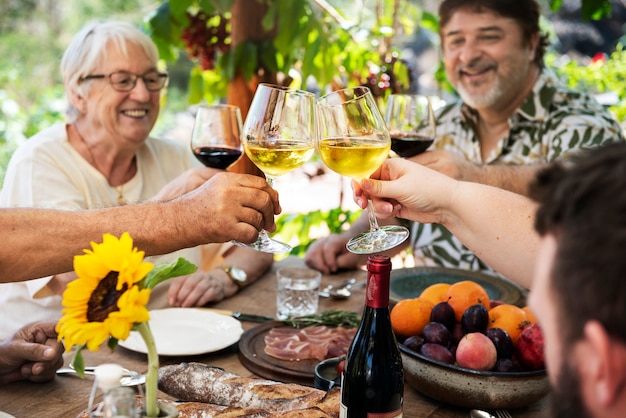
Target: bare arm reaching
495	224
39	242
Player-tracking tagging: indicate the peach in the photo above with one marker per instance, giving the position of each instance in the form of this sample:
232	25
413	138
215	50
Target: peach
476	351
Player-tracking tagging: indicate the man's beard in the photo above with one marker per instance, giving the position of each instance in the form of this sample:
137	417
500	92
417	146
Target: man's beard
479	101
566	399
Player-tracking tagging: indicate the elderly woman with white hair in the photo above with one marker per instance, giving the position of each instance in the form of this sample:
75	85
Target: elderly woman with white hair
103	156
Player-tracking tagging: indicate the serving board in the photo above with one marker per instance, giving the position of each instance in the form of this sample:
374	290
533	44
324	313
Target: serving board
253	357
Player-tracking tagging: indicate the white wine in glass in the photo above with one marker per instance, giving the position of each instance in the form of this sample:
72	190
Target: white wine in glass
278	136
411	122
353	141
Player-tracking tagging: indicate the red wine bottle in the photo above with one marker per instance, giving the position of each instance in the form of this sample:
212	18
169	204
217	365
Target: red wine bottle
372	382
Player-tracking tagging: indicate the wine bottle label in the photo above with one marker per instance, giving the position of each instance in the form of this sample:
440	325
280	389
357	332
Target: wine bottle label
343	413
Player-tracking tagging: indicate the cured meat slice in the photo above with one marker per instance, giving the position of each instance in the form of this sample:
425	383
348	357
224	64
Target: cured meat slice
317	342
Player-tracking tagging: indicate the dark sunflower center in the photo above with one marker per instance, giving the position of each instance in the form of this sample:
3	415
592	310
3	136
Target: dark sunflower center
104	298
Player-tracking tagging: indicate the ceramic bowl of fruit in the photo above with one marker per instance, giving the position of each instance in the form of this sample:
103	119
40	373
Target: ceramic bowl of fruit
473	353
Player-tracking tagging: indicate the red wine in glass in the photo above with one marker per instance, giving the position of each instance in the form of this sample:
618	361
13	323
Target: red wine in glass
409	144
217	157
216	135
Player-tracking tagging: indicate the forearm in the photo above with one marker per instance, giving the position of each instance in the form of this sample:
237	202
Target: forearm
502	236
514	178
39	242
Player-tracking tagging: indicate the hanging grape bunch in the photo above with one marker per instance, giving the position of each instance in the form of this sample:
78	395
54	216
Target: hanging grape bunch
205	37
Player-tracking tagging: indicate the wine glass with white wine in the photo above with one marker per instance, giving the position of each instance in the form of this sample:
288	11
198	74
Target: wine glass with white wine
278	136
354	141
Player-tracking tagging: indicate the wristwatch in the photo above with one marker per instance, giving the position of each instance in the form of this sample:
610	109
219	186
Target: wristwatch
237	275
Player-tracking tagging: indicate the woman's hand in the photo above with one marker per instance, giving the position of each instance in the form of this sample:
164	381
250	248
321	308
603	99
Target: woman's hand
200	288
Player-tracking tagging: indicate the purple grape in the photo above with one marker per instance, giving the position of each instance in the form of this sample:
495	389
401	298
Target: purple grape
437	352
475	319
444	314
414	343
436	332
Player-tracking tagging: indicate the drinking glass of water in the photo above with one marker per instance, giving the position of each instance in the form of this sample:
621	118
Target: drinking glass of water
297	292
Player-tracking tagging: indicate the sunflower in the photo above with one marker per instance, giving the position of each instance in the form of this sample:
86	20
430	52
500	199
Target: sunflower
105	301
108	300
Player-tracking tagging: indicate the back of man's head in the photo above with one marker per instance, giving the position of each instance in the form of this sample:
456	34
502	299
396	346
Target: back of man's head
525	12
583	205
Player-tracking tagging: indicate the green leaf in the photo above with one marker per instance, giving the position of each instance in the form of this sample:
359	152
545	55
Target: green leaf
269	20
248	59
112	343
222	6
78	363
179	8
195	87
162	272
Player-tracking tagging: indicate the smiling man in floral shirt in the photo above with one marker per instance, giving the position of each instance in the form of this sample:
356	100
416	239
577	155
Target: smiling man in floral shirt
513	118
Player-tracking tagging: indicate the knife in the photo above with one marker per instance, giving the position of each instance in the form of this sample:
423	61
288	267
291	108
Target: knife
241	316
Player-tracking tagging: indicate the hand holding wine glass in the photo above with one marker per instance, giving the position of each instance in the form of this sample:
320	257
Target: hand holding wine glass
216	136
354	141
278	137
411	122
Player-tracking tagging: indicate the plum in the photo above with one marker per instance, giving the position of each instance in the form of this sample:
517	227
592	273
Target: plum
437	352
414	343
457	333
475	319
438	333
502	340
505	365
444	314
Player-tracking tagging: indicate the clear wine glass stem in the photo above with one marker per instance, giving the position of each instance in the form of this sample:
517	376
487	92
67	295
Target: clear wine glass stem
264	242
374	228
264	238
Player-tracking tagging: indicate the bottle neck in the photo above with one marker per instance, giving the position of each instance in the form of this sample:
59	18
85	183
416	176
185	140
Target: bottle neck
377	293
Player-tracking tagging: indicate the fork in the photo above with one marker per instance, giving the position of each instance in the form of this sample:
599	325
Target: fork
502	413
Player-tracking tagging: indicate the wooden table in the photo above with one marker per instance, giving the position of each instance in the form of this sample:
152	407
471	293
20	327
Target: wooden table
65	397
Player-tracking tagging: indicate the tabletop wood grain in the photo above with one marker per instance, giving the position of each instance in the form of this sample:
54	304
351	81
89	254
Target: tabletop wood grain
66	397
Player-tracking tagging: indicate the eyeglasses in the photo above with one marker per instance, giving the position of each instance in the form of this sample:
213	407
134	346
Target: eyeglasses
125	81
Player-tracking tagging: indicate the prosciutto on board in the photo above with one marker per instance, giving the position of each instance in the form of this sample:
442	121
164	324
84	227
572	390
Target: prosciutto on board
316	342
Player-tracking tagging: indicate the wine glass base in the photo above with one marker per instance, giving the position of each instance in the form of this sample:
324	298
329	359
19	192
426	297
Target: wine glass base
386	238
268	245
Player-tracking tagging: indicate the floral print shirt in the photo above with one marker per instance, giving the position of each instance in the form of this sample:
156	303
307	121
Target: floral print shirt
551	124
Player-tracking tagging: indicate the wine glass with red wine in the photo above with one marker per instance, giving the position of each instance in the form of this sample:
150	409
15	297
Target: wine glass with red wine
411	122
216	136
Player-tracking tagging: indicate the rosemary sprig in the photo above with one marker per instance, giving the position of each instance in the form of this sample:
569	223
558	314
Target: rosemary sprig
331	317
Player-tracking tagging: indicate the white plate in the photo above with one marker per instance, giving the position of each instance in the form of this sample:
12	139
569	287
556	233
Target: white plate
187	331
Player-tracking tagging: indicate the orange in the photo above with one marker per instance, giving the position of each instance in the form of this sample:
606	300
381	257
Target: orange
410	316
436	293
530	315
510	318
462	295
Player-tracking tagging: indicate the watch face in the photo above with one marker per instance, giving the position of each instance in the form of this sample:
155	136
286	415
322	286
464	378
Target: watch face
238	275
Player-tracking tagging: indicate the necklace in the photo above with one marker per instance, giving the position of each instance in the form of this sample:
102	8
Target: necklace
121	201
